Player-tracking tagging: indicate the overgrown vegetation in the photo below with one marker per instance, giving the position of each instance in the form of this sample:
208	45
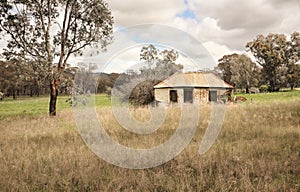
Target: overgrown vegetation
137	86
258	149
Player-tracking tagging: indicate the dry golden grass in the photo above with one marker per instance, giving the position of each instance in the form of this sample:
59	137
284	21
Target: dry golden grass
124	137
258	149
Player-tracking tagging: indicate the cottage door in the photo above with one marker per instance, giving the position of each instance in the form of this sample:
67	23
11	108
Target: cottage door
188	95
213	96
173	96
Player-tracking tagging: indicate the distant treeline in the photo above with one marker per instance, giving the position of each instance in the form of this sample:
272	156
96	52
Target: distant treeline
21	80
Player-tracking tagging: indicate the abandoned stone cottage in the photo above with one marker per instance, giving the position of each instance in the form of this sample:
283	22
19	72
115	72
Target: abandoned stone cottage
191	87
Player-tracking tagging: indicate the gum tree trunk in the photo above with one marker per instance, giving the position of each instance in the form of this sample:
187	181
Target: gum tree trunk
53	97
247	90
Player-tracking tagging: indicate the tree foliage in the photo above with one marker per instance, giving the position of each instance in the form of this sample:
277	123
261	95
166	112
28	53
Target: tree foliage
239	70
19	79
293	75
277	55
48	32
149	54
162	63
10	79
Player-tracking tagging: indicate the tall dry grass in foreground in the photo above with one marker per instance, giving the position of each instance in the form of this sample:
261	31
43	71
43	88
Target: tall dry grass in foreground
258	149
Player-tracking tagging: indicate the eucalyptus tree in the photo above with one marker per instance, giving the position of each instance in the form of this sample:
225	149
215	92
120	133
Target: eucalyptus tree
294	67
239	71
49	32
224	66
272	52
149	54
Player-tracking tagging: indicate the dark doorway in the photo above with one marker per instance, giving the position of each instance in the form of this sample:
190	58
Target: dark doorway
188	95
213	96
173	96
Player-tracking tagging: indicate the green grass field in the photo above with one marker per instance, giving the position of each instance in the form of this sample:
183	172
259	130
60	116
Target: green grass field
31	106
258	149
272	97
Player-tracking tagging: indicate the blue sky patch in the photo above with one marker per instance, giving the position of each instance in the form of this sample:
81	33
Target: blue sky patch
189	14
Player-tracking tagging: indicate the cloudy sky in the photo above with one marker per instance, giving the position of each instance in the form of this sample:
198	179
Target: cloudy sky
222	26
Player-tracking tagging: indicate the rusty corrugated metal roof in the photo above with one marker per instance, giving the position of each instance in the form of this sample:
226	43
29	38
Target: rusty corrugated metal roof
193	79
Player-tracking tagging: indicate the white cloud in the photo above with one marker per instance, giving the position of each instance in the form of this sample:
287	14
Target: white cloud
223	27
237	22
125	50
232	14
133	12
217	51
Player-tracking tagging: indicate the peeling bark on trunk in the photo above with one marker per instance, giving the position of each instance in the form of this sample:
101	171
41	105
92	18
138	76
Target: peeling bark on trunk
53	97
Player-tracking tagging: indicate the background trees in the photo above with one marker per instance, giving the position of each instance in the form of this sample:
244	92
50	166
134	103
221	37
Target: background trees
294	65
9	79
239	70
149	54
278	57
48	32
20	79
269	52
